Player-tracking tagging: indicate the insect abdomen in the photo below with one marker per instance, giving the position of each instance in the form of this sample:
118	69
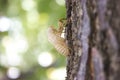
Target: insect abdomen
57	41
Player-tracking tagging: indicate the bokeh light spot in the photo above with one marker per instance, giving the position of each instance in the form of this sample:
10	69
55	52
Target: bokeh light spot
4	24
60	2
27	7
58	74
13	73
45	59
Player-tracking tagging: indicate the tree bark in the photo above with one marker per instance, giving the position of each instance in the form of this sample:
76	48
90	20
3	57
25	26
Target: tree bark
93	35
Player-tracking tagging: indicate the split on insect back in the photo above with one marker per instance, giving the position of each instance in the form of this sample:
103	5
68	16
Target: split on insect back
56	39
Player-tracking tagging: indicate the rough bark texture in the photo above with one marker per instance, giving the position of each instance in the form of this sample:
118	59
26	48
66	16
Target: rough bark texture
93	35
78	29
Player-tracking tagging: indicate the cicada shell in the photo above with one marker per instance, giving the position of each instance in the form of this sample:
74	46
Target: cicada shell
54	37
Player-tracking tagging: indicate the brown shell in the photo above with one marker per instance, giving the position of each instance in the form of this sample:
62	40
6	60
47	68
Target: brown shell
54	37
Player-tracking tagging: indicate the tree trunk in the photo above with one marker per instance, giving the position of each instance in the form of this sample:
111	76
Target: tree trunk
93	36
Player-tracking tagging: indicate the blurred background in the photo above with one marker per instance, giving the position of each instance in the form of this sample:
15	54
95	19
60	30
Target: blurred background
25	53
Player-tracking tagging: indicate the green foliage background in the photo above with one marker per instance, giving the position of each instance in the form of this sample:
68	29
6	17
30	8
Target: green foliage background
30	20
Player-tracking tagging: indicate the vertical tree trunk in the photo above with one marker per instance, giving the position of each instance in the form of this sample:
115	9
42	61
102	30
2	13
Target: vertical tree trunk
93	35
